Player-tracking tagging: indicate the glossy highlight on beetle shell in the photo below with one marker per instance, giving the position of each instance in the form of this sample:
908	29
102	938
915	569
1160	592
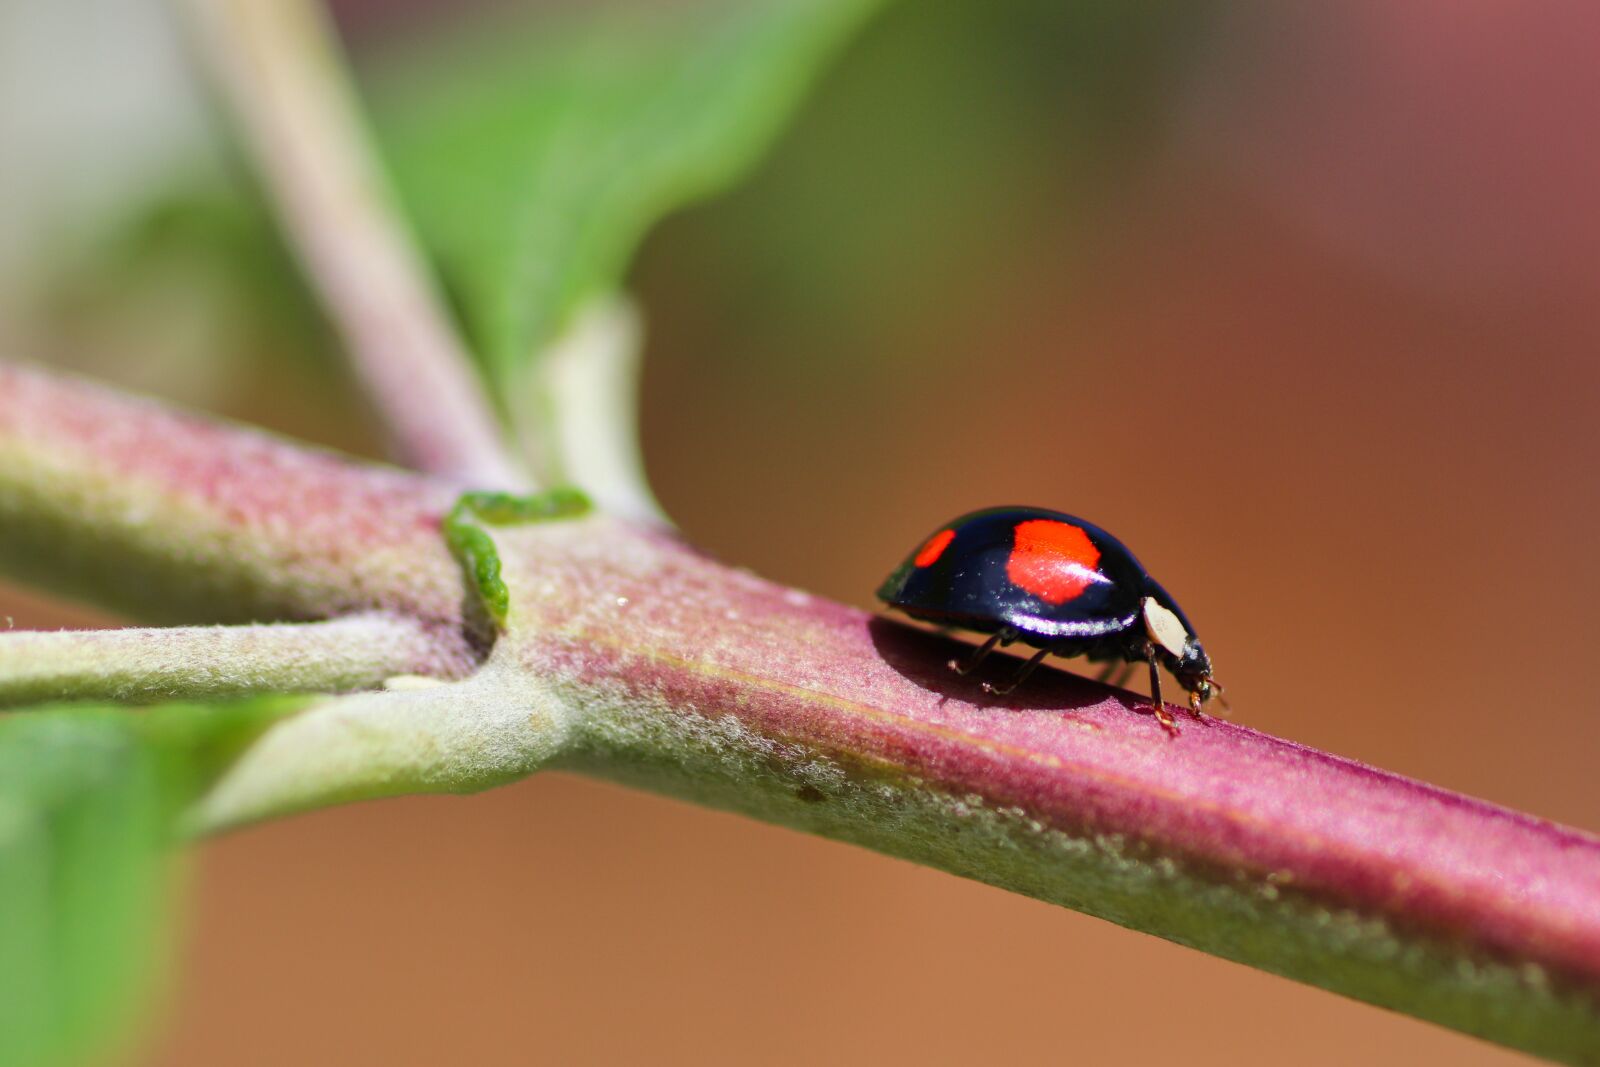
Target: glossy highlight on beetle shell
1046	574
1055	561
1052	581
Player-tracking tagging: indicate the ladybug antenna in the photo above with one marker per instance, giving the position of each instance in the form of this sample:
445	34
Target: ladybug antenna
1218	689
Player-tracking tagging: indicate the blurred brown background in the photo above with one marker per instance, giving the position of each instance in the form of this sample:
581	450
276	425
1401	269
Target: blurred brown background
1300	300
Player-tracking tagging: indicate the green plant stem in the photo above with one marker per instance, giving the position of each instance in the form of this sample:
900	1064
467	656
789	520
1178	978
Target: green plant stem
579	410
144	665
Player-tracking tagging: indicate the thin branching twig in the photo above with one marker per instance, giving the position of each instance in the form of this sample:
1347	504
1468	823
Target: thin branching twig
278	60
141	665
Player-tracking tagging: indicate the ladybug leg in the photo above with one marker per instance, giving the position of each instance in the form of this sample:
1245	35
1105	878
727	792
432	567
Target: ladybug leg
972	661
1163	716
1104	677
1123	675
1018	678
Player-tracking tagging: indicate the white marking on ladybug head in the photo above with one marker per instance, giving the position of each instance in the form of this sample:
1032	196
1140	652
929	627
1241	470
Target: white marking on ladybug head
1164	628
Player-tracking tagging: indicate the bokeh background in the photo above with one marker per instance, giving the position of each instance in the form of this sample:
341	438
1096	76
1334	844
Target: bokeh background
1302	300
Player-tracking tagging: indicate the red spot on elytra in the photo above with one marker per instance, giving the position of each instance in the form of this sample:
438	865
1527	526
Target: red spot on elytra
934	548
1055	561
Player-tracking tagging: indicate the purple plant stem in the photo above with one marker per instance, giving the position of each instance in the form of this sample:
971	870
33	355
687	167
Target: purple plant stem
679	673
279	62
174	518
663	632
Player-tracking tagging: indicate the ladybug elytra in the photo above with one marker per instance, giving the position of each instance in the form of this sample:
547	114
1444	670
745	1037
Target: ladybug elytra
1058	584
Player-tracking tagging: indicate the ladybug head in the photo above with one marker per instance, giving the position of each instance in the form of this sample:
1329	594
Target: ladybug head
1180	652
1201	687
1194	674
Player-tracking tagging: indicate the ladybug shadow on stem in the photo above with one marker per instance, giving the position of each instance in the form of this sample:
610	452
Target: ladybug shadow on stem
923	658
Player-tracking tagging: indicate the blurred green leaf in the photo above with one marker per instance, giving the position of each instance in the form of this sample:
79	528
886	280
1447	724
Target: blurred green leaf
534	159
184	288
89	796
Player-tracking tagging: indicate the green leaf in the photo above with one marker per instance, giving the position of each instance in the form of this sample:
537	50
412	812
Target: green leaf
173	280
534	159
89	799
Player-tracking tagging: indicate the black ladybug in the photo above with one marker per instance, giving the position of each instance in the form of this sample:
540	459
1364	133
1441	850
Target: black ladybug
1057	583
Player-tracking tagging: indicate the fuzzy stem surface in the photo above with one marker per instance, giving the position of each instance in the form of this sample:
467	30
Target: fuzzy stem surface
173	518
706	682
581	416
145	665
